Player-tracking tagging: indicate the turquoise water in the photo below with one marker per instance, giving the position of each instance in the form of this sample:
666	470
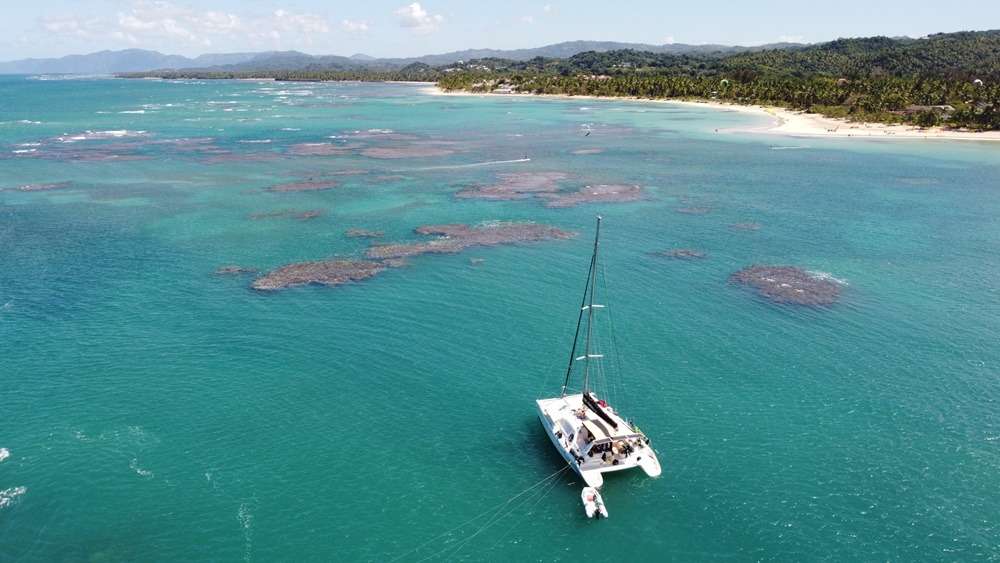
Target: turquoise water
153	410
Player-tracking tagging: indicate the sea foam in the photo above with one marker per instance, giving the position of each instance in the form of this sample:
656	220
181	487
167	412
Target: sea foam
9	496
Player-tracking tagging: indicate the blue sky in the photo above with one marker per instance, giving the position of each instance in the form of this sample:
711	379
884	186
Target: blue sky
402	28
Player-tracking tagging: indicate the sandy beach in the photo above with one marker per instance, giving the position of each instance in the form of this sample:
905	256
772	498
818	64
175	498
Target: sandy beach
798	124
801	124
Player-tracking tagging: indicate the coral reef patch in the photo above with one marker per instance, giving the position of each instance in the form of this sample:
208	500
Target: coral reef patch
788	284
326	272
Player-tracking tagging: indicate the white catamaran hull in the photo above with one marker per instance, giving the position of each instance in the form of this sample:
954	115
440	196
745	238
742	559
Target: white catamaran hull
591	436
570	425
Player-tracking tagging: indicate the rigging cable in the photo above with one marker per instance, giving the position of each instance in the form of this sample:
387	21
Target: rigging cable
500	506
541	497
617	372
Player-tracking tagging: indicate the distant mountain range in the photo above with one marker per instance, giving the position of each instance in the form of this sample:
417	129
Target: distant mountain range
138	60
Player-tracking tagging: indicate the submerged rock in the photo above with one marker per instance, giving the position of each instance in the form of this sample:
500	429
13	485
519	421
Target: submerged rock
543	185
681	253
455	238
695	210
305	185
603	193
363	233
42	187
745	226
449	239
788	284
392	251
406	152
301	215
235	270
322	149
521	185
327	272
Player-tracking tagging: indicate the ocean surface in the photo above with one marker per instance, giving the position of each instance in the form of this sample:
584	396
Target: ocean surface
153	408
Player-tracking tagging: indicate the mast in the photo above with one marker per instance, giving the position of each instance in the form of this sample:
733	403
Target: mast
592	282
586	304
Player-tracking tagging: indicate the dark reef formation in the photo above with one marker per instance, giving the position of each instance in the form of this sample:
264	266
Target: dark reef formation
362	233
327	272
522	185
406	152
788	284
305	185
455	238
322	149
695	210
235	270
449	239
301	215
41	187
542	185
681	253
603	193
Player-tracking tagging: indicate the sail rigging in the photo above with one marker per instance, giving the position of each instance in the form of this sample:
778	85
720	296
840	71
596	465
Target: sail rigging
593	437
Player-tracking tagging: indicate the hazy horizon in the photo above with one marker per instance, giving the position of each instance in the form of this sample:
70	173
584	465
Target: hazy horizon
397	29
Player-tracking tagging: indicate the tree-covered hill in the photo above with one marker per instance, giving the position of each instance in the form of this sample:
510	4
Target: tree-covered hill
945	79
950	79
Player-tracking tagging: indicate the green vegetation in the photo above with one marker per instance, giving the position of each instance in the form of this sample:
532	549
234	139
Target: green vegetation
416	72
949	80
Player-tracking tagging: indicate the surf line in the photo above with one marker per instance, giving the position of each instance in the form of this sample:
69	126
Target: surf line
473	165
500	511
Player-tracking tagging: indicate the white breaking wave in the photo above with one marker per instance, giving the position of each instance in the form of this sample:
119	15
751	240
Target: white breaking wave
135	467
245	516
4	454
826	276
472	165
8	496
100	135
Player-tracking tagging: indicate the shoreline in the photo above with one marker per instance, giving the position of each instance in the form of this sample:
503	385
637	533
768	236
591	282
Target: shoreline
787	122
792	123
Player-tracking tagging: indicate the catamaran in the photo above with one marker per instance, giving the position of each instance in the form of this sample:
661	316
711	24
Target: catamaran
590	434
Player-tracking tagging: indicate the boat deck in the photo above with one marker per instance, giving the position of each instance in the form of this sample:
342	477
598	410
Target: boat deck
590	444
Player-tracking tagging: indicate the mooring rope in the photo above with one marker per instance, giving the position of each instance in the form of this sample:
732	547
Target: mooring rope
493	520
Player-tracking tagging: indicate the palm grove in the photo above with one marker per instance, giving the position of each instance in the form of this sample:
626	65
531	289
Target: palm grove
950	80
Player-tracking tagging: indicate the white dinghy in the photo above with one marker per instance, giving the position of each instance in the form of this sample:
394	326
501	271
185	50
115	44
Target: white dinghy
593	503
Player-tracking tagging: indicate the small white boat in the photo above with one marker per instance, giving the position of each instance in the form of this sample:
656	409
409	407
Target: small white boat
593	503
593	437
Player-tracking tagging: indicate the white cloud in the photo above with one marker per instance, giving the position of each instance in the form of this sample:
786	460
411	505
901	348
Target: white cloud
548	9
355	28
418	20
297	23
162	24
670	40
528	20
62	24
